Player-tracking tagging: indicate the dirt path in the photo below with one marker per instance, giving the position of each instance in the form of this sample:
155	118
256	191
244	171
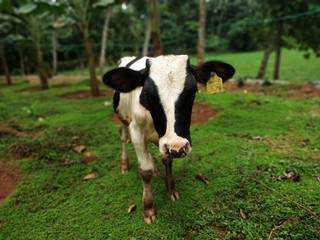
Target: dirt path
10	176
55	79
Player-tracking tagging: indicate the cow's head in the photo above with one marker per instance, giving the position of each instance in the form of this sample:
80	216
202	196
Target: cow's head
169	85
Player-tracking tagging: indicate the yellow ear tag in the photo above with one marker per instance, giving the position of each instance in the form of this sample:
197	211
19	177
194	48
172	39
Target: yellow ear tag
215	84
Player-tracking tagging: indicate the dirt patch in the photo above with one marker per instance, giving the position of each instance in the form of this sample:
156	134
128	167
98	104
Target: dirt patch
306	90
10	175
38	88
201	114
87	94
17	131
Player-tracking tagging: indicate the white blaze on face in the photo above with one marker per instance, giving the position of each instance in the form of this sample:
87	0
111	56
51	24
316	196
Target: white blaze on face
169	75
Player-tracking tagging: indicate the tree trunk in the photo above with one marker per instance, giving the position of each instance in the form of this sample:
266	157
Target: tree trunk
265	59
41	65
104	38
157	45
81	61
5	65
201	32
277	44
147	38
54	49
92	71
22	67
41	69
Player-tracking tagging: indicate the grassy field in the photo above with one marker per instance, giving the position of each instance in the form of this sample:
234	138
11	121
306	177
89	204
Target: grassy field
244	152
294	67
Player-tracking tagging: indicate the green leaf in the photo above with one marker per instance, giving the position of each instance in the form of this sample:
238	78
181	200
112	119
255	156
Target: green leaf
26	9
103	3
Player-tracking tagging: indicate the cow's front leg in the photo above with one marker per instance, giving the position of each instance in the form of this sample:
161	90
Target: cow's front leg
146	170
149	213
172	193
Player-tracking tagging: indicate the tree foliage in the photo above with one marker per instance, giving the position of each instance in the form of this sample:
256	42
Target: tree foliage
231	25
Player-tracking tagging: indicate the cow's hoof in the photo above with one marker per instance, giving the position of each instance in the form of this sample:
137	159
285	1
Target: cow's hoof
149	215
173	195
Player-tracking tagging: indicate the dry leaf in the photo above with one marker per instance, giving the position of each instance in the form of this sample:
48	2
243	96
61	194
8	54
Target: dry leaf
88	157
256	138
292	129
242	214
203	178
79	149
88	176
131	208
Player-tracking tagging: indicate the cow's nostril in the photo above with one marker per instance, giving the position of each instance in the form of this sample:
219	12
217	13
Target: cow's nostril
166	149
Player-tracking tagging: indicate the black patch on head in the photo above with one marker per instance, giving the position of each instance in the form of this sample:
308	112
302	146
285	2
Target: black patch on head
133	61
149	98
183	106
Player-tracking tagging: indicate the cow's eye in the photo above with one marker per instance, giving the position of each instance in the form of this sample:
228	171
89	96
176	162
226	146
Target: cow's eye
150	99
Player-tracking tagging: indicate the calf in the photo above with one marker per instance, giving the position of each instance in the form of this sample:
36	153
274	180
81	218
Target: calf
153	99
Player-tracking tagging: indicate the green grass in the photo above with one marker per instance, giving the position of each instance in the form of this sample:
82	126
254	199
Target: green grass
53	202
293	66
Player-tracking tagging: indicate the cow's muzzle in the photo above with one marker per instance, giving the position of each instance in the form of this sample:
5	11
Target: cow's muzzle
176	151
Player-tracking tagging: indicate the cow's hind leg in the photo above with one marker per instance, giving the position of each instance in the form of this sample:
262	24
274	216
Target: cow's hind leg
124	154
172	193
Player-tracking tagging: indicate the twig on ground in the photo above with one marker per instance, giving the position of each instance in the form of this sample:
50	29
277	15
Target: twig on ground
294	202
277	227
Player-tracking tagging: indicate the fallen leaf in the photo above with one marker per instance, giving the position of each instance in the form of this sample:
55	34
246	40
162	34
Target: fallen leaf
256	138
79	149
255	102
88	176
203	178
306	140
131	208
291	174
105	214
88	157
242	214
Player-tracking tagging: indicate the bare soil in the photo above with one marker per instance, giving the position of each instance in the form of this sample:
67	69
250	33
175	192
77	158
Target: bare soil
10	176
306	90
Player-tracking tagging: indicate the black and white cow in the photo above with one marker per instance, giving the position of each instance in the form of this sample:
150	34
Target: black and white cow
153	99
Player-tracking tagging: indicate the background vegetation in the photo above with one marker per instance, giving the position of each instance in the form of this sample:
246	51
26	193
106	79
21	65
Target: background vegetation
48	36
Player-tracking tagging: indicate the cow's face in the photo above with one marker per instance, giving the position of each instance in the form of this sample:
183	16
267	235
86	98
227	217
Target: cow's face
168	93
169	84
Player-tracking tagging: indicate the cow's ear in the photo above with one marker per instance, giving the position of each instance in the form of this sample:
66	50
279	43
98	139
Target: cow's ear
223	70
124	79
